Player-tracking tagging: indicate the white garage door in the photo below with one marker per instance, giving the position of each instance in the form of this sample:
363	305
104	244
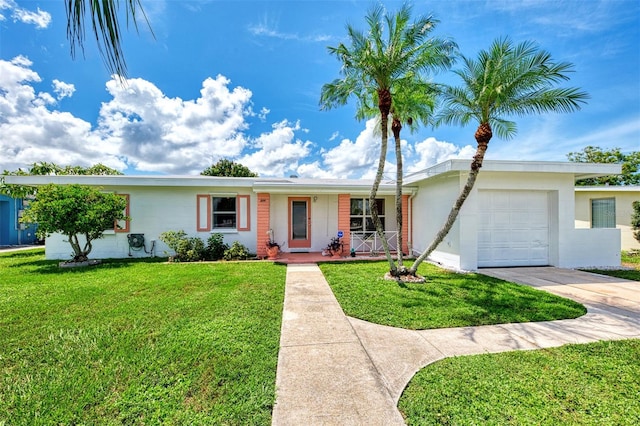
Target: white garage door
513	228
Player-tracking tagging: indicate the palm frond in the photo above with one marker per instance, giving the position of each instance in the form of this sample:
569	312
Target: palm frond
507	80
105	26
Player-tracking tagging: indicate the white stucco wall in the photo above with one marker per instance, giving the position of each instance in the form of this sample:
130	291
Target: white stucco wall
568	246
624	196
154	210
431	206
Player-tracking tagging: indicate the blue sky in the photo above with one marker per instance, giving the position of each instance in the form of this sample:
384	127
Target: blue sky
241	80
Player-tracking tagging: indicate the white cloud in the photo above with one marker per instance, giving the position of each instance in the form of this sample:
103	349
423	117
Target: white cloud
354	159
269	28
430	152
171	135
30	132
279	152
314	170
41	19
139	127
62	89
262	115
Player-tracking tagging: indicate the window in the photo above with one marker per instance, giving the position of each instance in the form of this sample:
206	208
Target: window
360	215
223	212
603	213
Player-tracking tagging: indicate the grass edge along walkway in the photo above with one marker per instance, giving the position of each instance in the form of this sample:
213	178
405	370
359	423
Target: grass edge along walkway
447	299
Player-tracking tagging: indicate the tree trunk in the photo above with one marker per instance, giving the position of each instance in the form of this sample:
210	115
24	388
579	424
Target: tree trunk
384	104
483	136
396	127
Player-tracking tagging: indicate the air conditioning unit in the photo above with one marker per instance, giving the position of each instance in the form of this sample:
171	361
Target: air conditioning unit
136	241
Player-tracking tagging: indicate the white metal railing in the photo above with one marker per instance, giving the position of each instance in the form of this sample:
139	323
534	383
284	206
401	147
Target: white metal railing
368	242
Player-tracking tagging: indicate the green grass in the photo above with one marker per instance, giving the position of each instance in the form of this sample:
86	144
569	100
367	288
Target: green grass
138	342
591	384
447	299
628	259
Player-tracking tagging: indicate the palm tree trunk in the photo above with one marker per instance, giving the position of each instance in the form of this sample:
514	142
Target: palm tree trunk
396	127
384	104
483	135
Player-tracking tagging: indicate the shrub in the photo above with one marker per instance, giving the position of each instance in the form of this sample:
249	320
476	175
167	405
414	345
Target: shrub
188	249
172	238
216	247
237	251
635	220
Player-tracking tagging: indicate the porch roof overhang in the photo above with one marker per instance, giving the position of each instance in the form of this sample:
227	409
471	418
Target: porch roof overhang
326	186
578	170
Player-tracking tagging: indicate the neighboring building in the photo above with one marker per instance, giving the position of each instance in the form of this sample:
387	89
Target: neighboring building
12	232
519	213
608	207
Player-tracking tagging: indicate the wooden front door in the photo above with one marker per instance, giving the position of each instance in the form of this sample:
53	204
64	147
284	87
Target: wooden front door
299	222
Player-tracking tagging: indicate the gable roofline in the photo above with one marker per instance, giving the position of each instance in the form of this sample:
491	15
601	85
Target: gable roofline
456	166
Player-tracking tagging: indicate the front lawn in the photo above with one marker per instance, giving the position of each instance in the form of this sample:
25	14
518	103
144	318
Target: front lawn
590	384
447	299
138	342
628	260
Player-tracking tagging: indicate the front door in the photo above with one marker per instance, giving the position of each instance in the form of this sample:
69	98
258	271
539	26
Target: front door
299	222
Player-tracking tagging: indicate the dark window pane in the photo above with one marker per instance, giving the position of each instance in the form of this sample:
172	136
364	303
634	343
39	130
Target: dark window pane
356	207
356	224
224	212
224	220
224	204
299	217
371	226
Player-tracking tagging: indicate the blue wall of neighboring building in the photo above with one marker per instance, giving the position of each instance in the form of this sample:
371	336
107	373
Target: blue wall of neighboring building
11	231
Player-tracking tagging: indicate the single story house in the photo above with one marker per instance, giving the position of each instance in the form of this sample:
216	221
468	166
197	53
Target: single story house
608	207
12	232
519	213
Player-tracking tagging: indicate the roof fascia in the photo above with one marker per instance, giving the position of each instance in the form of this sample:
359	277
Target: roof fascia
579	170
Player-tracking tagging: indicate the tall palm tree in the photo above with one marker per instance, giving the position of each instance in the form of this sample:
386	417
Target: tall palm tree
375	69
106	28
413	104
505	80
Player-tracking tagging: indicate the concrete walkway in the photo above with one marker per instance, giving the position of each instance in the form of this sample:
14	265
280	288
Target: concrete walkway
336	370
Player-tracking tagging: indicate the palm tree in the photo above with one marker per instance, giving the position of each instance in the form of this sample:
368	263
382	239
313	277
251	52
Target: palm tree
506	80
413	103
106	28
375	70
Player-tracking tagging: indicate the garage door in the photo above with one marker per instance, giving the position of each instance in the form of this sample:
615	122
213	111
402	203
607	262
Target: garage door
513	228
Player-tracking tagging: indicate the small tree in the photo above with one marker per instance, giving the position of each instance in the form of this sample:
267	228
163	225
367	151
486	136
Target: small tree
594	154
48	169
228	168
635	220
74	211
